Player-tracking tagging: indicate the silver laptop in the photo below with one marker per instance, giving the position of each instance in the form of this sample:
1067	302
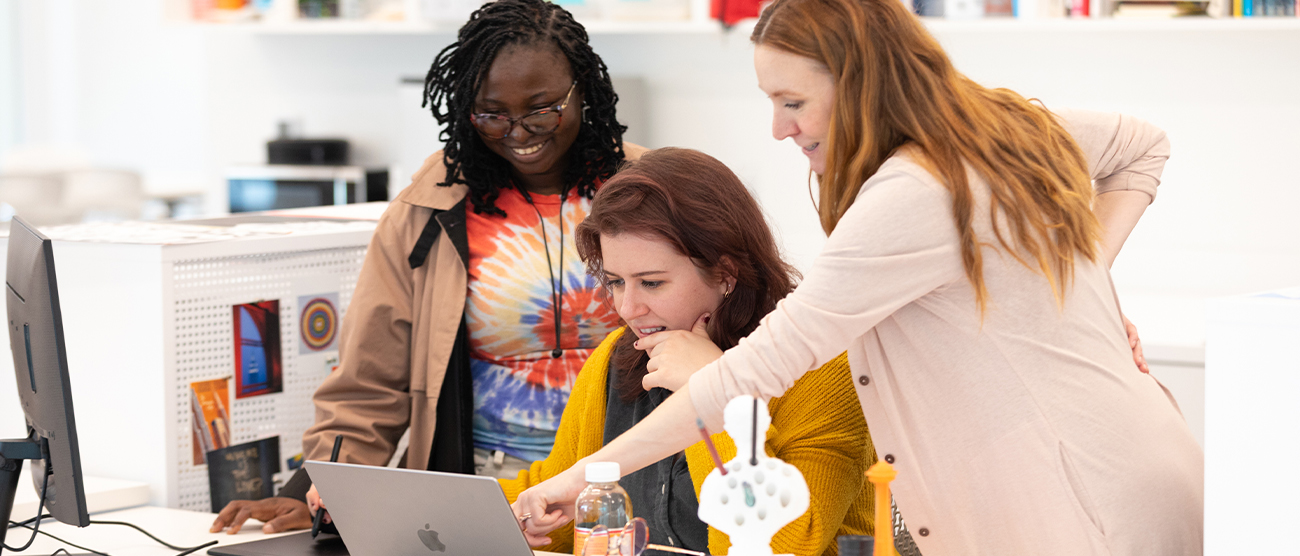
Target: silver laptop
382	511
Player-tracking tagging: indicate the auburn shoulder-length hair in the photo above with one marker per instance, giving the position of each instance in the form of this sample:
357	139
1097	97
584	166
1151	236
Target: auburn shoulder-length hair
698	206
895	87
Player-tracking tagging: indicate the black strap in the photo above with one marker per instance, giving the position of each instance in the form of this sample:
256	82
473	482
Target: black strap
453	435
453	223
422	246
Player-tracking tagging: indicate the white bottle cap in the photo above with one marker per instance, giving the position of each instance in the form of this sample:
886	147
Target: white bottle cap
603	472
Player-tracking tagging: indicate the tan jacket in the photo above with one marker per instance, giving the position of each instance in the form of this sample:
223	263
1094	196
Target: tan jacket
399	332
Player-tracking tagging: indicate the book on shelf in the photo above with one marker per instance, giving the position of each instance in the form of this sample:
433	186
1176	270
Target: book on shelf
1254	8
1140	9
1121	9
968	9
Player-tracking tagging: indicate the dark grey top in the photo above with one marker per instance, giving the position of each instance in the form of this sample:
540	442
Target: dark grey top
661	493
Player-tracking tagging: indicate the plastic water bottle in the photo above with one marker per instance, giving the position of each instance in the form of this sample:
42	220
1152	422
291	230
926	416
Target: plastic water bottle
603	502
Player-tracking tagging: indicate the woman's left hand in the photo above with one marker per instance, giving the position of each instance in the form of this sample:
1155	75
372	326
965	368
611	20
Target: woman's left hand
1135	344
549	505
675	355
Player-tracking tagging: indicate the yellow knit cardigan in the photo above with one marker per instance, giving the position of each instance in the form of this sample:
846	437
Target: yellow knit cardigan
817	426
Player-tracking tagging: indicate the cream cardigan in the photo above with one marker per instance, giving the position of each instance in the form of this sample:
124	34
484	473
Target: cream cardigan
1029	433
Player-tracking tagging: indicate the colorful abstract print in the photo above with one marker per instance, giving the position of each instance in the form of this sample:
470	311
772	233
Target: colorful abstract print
519	390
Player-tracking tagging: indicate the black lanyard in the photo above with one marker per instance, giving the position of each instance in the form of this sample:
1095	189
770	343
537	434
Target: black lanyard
557	296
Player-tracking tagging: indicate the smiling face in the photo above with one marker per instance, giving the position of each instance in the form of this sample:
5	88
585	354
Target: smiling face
522	79
655	287
802	93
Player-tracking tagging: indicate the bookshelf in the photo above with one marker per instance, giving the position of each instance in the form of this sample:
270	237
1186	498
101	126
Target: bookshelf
1086	25
282	19
705	26
603	28
623	28
369	28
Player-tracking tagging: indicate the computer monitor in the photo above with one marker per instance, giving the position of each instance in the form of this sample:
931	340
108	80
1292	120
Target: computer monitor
41	368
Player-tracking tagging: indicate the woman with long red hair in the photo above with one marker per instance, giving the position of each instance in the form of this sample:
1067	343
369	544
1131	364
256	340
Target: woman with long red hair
966	273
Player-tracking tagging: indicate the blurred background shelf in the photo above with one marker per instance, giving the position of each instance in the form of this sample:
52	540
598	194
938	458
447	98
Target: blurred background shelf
1087	25
355	27
343	27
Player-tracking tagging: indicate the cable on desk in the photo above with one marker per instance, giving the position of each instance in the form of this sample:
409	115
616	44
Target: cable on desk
29	521
185	551
45	482
146	533
197	548
76	546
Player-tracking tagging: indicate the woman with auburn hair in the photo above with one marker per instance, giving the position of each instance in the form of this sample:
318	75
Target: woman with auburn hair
681	245
966	273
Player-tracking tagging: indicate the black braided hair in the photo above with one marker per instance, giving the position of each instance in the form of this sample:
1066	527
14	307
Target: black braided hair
458	72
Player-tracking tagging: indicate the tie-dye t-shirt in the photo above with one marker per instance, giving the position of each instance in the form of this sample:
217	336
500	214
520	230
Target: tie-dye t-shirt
519	389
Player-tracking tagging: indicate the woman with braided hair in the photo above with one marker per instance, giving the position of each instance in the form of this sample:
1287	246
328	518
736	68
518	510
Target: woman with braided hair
473	313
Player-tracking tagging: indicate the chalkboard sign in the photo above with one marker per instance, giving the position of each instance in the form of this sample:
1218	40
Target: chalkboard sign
243	472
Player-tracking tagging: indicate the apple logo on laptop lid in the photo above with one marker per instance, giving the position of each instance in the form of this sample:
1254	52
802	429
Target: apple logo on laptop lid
430	539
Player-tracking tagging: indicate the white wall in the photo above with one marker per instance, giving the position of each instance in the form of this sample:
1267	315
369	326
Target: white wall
113	82
1223	220
9	122
172	99
175	98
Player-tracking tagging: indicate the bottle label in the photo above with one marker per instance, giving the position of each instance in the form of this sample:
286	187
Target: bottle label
580	537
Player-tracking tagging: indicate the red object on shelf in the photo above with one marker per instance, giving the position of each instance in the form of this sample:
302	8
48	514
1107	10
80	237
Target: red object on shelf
1079	8
732	11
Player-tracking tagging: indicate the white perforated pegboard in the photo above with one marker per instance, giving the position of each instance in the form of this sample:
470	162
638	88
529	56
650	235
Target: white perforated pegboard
203	294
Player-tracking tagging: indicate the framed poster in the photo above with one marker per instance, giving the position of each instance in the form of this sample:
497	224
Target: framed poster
209	417
318	323
258	368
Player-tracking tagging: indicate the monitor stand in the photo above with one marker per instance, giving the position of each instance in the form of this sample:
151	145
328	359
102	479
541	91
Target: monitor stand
12	454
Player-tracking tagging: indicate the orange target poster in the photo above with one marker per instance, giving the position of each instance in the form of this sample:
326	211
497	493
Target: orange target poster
318	323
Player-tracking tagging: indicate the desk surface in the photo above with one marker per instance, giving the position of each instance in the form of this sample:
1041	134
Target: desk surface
102	495
178	527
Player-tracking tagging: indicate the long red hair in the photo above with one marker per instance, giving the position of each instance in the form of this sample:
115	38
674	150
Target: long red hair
896	88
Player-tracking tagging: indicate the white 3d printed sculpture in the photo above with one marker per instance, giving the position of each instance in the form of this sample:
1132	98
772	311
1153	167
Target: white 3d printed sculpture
758	495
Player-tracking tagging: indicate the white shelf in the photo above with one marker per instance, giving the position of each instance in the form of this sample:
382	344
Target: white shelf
693	27
1092	25
356	27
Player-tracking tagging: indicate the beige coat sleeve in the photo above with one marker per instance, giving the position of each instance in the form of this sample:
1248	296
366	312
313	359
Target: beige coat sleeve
367	398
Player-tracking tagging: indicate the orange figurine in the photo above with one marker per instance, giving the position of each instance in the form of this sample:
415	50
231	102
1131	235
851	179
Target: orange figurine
880	476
